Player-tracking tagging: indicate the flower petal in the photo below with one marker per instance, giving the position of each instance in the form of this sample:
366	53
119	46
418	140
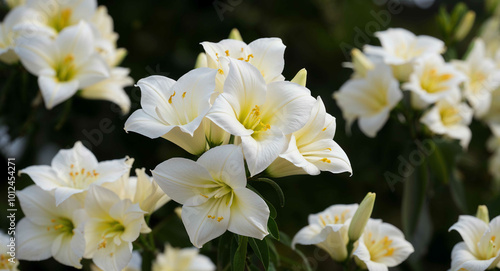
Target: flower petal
55	92
249	214
145	124
225	163
33	241
471	229
268	57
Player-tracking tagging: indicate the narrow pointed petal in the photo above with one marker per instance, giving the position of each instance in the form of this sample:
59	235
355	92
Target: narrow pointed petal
225	163
249	214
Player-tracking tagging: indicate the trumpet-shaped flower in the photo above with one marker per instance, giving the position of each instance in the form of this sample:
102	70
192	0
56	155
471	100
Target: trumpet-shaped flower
142	190
8	35
50	230
328	230
480	249
312	149
50	17
111	89
432	80
186	259
214	195
381	246
400	48
266	54
7	262
106	38
482	78
111	227
73	171
175	110
260	115
450	117
369	99
63	65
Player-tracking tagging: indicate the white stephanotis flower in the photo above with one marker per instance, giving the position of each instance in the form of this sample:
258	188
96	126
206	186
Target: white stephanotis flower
266	54
63	65
482	78
176	110
7	262
260	115
214	195
369	99
73	171
50	17
135	263
381	246
480	249
112	225
185	259
400	48
432	80
140	189
328	230
312	149
111	89
49	229
450	117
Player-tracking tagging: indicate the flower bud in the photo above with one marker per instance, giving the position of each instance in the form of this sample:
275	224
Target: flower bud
465	25
361	64
235	35
361	217
300	78
482	213
201	61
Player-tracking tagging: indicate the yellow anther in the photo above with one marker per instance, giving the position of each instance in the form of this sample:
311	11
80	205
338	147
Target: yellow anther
205	196
219	218
240	58
57	227
326	160
102	244
170	99
83	170
227	52
72	166
221	71
493	238
322	220
242	49
330	149
324	129
389	252
53	220
337	219
184	95
248	58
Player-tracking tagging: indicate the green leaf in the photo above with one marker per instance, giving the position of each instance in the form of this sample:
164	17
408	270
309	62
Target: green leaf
240	256
276	187
261	250
274	255
273	228
223	257
458	192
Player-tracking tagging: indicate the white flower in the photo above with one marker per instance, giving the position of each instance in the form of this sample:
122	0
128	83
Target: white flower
185	259
266	54
49	229
214	195
50	17
480	249
482	78
369	99
111	89
312	149
63	65
450	117
106	38
112	225
400	48
7	262
141	189
260	115
175	110
381	246
135	263
432	80
328	230
73	171
8	36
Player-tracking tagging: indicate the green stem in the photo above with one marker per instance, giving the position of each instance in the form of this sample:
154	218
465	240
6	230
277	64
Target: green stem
65	114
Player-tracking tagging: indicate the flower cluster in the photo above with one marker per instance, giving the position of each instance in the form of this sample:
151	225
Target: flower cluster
82	208
347	231
480	249
448	94
69	46
235	109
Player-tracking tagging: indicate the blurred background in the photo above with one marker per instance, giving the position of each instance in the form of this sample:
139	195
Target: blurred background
162	37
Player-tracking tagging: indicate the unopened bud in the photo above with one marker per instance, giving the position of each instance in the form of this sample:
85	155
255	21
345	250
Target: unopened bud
235	35
361	63
300	78
361	217
201	61
482	213
178	211
465	25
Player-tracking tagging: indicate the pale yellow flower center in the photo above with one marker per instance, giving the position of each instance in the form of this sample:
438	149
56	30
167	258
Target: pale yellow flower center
113	228
65	71
5	264
82	178
336	219
432	81
450	116
61	225
61	20
253	121
379	248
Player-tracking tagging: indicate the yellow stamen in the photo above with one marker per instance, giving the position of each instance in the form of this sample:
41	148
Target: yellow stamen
326	160
219	218
170	99
227	52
